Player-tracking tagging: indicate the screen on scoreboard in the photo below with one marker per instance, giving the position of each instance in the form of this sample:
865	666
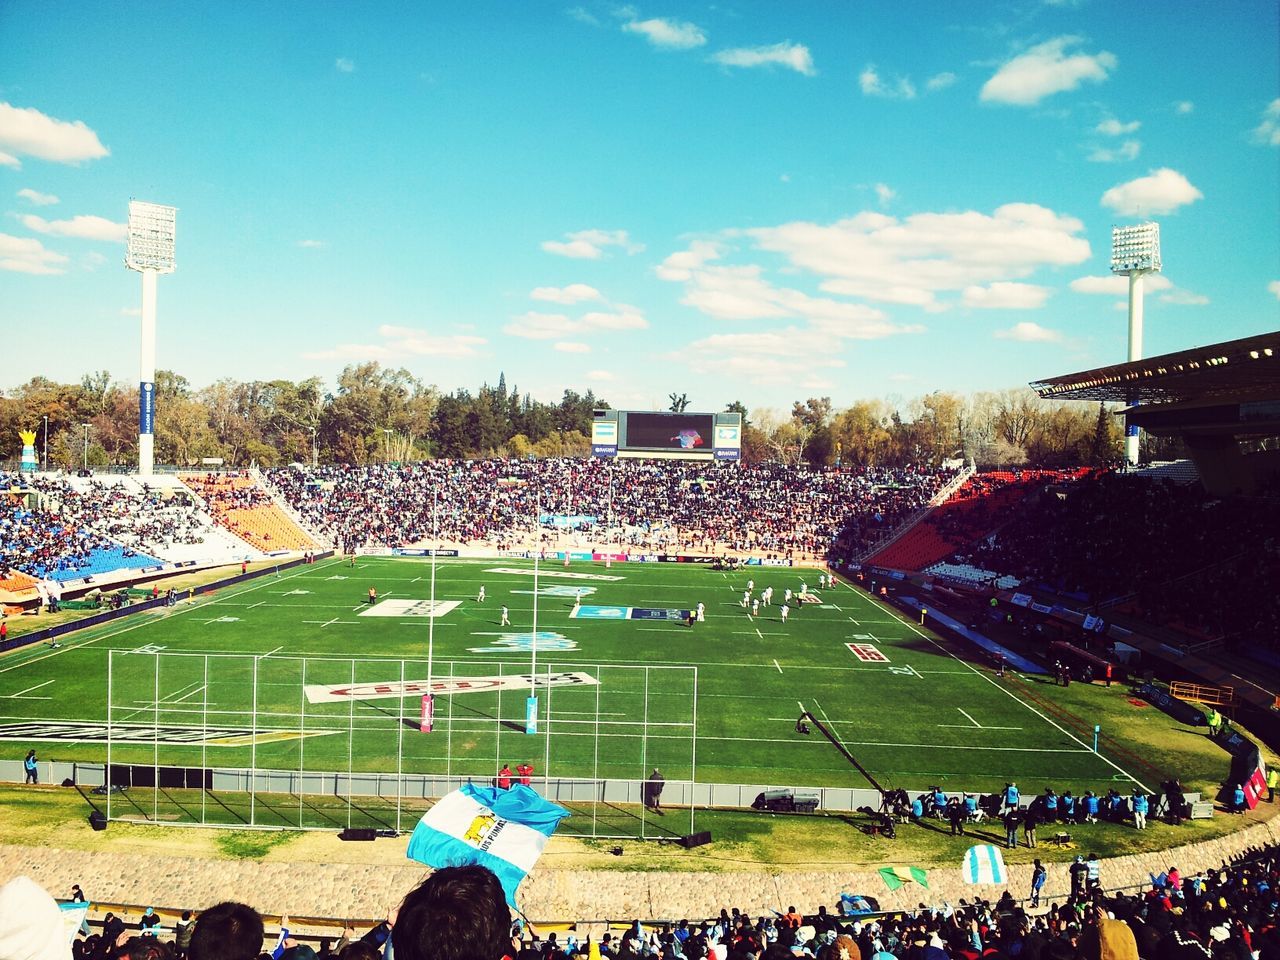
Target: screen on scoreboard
669	431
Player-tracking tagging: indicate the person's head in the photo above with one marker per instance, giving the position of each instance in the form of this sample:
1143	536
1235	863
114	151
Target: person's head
228	931
457	913
144	948
359	950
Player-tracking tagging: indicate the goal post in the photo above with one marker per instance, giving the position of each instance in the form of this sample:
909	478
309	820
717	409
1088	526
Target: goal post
315	743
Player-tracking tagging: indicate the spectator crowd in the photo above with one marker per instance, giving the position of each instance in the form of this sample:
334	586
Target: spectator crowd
1188	559
652	505
73	522
461	913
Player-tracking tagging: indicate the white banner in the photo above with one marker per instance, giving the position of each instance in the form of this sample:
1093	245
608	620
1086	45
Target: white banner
322	693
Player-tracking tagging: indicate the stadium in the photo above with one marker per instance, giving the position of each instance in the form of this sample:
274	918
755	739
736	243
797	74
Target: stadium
310	650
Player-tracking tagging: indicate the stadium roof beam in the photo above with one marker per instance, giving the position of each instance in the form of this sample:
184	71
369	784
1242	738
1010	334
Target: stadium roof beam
1250	366
1221	399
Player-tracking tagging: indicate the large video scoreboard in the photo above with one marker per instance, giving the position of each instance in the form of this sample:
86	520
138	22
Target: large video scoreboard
685	436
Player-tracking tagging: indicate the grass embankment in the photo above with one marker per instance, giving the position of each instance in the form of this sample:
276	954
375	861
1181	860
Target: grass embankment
58	817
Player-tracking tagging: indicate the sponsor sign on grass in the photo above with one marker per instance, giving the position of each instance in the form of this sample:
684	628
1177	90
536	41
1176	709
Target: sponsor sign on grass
416	688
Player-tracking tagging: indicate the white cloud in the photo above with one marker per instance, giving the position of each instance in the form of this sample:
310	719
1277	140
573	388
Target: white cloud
787	356
1184	298
793	56
742	293
344	65
402	341
36	198
1112	127
9	160
28	255
567	346
82	227
351	351
1044	70
681	264
599	376
1005	295
873	86
911	260
425	344
1184	107
668	34
1274	287
590	244
28	132
1128	150
621	318
311	244
573	293
582	15
1162	191
539	326
884	193
940	81
1027	332
1268	131
558	326
1117	285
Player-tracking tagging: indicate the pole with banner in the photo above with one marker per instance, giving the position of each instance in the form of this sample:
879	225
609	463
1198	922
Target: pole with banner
531	703
428	717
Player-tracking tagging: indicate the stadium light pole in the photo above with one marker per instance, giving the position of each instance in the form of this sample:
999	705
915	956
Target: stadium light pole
44	448
531	704
86	447
1135	252
315	449
150	252
428	699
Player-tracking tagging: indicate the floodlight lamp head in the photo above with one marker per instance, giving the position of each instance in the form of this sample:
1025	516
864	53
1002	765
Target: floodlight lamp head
1136	248
151	237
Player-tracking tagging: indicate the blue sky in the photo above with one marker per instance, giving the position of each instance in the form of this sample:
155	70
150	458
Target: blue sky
739	201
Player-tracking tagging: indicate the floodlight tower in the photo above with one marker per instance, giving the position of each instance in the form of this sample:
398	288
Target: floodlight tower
150	252
1135	252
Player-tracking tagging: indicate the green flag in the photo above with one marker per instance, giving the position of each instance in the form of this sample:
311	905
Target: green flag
894	877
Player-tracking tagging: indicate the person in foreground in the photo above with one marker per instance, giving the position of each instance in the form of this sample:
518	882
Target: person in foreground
457	913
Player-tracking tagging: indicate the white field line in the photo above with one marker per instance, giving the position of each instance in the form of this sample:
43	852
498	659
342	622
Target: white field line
1107	760
29	689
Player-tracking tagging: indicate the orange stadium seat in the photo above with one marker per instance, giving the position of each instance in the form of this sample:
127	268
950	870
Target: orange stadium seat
972	512
264	525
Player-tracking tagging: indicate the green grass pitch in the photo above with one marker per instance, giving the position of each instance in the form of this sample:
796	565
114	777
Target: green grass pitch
922	715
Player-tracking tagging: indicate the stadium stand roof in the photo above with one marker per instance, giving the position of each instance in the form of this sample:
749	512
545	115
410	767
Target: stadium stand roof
1233	371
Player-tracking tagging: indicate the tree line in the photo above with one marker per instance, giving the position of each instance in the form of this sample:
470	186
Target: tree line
379	414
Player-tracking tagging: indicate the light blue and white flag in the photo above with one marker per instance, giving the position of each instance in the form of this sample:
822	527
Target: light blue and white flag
504	830
74	916
984	864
